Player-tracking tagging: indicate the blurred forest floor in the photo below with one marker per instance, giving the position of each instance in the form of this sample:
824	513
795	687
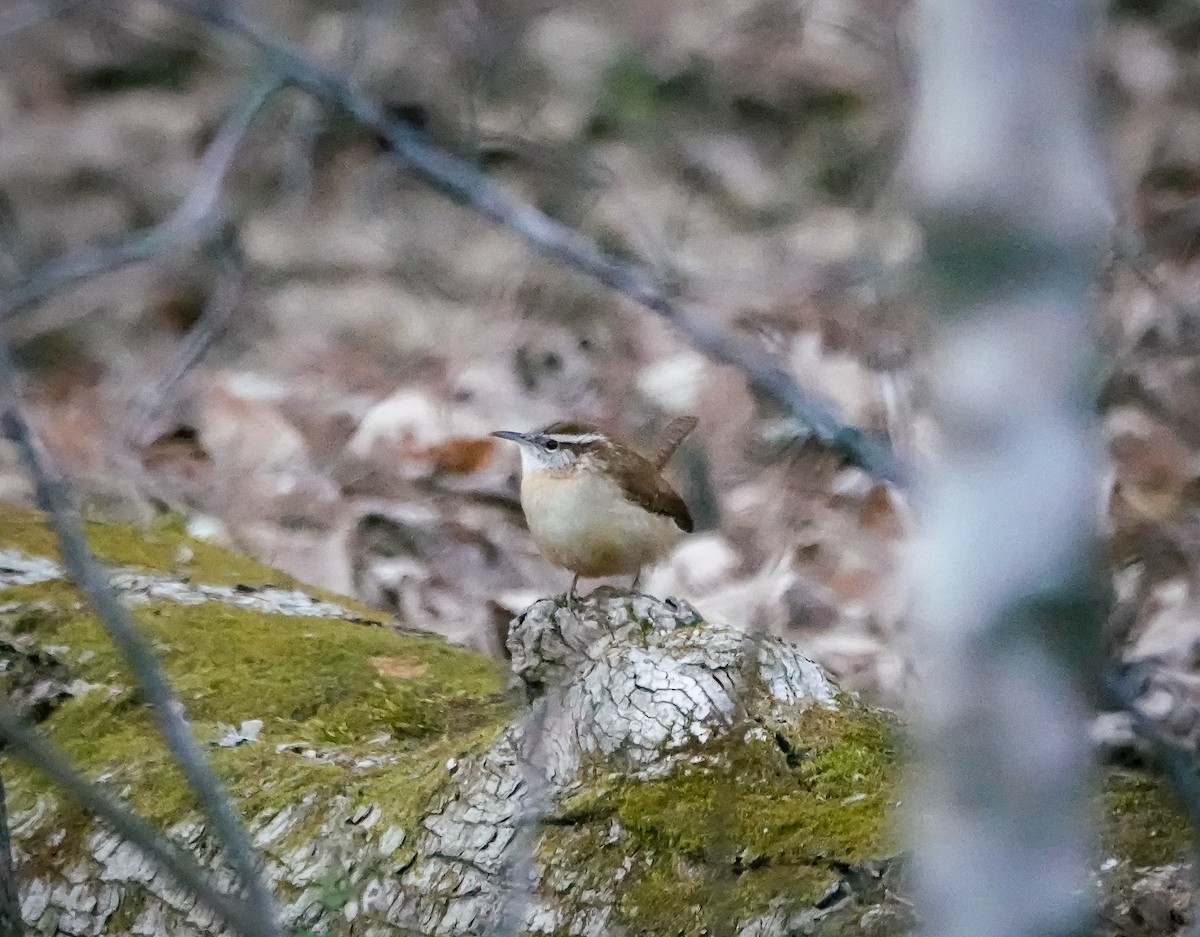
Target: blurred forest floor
375	332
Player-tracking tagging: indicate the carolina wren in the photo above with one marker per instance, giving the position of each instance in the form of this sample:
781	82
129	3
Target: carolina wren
596	507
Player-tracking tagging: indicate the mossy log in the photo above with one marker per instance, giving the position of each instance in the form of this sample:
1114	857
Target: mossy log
636	770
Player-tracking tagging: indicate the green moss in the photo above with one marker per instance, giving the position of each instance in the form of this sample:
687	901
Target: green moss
163	546
1143	826
154	547
314	682
772	815
776	811
346	689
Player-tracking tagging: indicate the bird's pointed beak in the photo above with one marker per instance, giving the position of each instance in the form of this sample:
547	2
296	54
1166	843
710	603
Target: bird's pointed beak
510	435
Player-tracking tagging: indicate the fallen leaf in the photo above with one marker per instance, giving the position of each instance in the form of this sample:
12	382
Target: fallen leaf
461	456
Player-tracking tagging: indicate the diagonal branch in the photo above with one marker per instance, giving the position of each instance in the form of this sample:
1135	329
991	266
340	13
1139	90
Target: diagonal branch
85	570
191	222
28	745
214	319
467	185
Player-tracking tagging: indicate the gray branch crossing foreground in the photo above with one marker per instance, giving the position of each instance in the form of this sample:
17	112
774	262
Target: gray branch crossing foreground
1011	195
257	914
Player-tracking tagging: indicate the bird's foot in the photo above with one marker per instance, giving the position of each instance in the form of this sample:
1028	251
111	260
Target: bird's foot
573	596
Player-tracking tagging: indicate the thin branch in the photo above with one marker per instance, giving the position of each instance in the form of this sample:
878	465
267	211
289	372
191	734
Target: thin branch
214	319
193	221
31	747
85	570
10	903
308	121
467	185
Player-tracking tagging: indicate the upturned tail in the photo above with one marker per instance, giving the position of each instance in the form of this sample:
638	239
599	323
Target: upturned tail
673	435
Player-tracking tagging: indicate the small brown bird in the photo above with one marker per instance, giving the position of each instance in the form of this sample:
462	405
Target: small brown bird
595	506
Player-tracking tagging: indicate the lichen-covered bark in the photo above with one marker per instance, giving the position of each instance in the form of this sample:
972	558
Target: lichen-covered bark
659	774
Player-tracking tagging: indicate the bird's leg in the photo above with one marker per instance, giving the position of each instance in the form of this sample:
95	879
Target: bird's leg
637	577
571	596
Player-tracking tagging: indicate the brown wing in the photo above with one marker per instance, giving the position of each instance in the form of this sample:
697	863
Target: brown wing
643	485
673	434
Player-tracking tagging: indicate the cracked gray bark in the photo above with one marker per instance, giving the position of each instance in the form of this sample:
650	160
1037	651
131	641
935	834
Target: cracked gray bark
630	685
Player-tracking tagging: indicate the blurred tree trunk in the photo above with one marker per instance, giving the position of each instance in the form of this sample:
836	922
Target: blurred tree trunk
1009	191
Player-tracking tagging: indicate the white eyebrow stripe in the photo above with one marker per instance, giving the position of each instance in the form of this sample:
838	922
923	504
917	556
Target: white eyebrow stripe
575	440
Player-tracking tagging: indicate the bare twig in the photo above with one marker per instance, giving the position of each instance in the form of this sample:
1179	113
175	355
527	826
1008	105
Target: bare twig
464	183
193	221
215	317
308	120
28	745
85	570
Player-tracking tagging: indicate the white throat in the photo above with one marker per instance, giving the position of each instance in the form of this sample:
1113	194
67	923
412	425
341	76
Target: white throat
531	461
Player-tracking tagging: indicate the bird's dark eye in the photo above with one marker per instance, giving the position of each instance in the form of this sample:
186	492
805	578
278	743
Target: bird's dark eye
551	444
